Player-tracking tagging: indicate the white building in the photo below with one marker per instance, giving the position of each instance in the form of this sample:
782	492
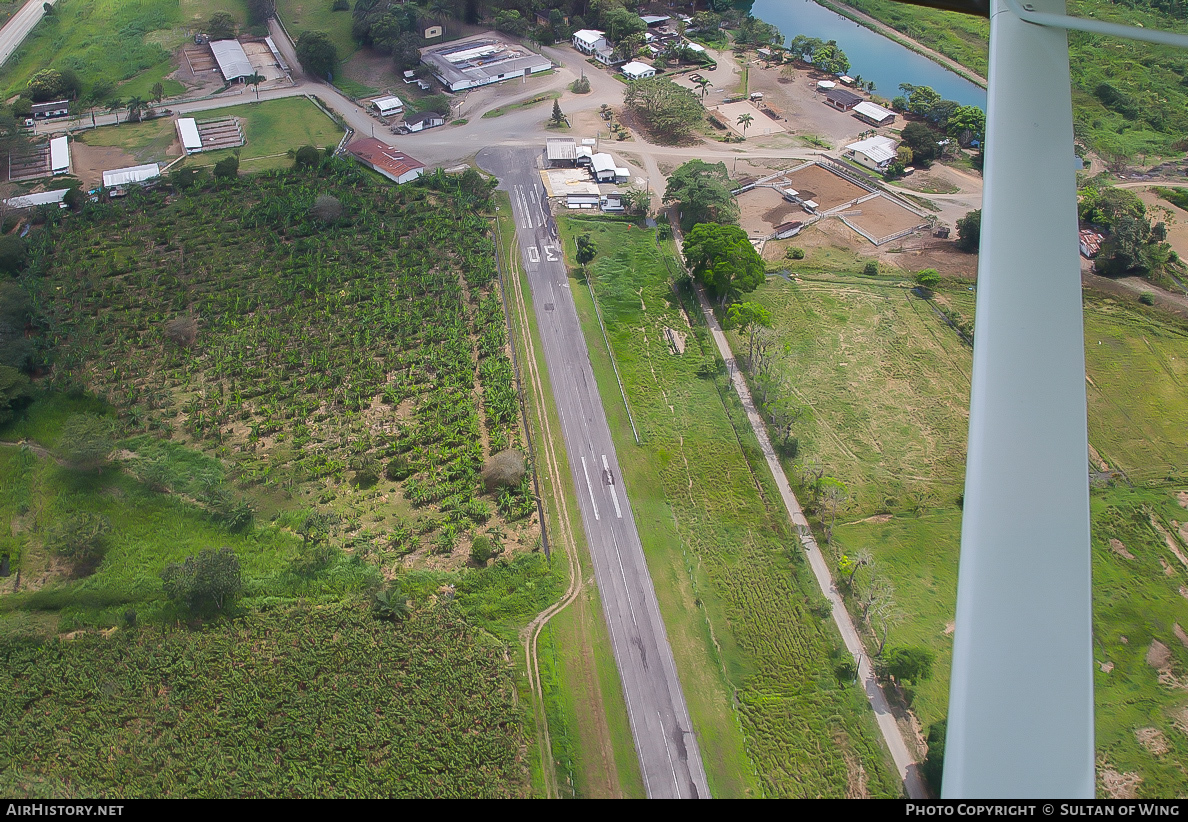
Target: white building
59	156
874	152
602	166
387	106
636	70
41	198
131	174
424	120
233	61
187	130
874	114
588	41
480	61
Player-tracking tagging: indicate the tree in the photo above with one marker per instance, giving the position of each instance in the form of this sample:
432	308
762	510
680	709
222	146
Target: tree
317	53
86	441
637	200
928	278
910	663
12	253
16	309
803	48
136	108
849	565
830	493
585	250
390	604
327	208
258	11
745	120
750	317
668	110
620	23
158	92
227	168
46	85
481	550
830	59
510	21
115	106
255	79
966	124
921	140
722	258
220	26
558	116
920	99
703	190
209	581
406	51
15	393
703	85
969	231
871	269
933	767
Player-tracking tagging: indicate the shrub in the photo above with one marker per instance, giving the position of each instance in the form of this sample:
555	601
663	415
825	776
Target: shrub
796	253
326	208
227	168
22	107
933	767
912	663
503	470
871	269
307	157
74	198
397	468
86	441
341	5
1147	298
929	278
80	538
182	331
12	253
481	549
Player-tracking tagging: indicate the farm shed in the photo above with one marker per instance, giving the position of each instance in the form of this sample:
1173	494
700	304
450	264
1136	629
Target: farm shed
387	106
233	61
636	70
424	120
480	61
876	153
874	114
46	111
788	229
385	159
825	85
187	130
130	175
560	151
613	201
59	156
602	166
40	198
1090	243
582	200
841	99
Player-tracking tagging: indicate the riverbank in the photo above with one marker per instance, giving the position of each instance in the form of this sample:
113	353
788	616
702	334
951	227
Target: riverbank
879	27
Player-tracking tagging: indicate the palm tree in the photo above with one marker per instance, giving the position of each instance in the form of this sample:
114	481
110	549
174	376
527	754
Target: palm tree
136	107
114	107
745	120
703	84
255	79
441	10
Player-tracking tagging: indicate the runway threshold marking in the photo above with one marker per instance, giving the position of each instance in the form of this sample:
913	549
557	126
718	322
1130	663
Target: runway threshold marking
533	254
590	488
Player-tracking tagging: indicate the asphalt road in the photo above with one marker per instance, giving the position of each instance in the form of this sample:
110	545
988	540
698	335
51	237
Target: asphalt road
19	26
668	752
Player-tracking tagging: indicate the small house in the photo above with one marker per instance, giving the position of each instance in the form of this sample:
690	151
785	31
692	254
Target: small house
388	106
876	153
874	114
602	166
47	111
426	119
1090	243
841	99
613	201
788	229
636	70
588	41
581	200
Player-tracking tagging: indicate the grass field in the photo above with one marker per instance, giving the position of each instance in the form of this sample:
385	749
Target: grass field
317	15
272	128
886	382
147	141
752	643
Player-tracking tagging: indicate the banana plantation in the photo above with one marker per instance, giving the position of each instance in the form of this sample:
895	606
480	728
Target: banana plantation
340	345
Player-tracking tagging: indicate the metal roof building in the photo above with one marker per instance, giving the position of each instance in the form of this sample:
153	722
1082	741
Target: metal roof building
232	59
387	106
874	114
187	130
603	168
636	70
874	152
385	159
59	156
40	198
561	151
131	174
480	61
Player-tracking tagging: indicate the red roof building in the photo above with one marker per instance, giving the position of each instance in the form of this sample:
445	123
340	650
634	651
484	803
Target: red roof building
1090	243
388	160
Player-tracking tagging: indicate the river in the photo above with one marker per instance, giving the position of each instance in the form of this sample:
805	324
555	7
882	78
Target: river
872	55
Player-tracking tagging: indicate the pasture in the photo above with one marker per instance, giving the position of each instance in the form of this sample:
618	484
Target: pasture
272	129
753	644
884	381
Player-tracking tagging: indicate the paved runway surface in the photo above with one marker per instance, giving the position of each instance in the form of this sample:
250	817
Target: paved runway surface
668	753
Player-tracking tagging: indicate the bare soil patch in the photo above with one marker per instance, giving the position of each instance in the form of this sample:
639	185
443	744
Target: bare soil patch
1182	498
762	209
91	161
827	189
1153	740
1158	655
914	253
1168	540
761	124
1174	218
1118	548
881	217
1180	634
1120	785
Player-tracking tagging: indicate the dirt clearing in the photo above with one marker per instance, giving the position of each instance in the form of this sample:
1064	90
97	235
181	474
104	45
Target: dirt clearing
881	218
762	209
824	187
91	161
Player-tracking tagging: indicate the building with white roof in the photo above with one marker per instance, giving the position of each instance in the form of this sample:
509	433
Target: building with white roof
602	166
131	174
480	61
40	198
874	114
187	130
59	156
874	152
636	70
387	106
233	61
589	41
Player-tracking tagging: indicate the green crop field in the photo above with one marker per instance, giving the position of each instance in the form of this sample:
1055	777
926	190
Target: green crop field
753	642
271	129
885	382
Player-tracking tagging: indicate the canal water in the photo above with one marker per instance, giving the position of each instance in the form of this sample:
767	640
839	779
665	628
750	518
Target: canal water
872	55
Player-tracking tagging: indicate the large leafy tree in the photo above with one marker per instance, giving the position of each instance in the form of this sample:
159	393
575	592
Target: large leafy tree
722	258
209	581
969	231
829	58
669	111
703	190
967	123
922	141
221	26
920	99
317	53
260	10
